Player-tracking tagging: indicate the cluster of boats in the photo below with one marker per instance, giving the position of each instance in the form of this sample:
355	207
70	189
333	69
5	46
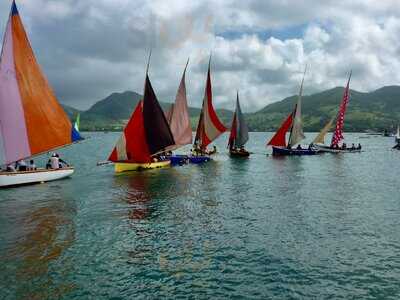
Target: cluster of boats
32	122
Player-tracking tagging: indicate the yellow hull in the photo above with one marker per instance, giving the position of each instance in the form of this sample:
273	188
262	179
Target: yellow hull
125	167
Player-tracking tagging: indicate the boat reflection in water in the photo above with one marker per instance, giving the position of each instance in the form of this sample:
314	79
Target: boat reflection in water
38	254
159	206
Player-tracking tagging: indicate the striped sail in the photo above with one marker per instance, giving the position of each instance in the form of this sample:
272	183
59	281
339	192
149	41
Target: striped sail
209	126
31	119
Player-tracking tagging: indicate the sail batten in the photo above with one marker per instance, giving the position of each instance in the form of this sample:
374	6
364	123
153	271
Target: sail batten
31	119
209	127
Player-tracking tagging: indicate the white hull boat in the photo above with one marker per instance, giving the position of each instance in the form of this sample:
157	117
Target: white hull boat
9	179
324	148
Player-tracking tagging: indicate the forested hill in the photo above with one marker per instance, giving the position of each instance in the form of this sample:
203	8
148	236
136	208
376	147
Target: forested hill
372	111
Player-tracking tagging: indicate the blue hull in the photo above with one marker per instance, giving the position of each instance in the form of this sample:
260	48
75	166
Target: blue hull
179	159
278	151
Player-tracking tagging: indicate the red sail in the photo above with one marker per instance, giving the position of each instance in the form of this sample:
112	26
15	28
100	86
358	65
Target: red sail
233	134
279	139
209	127
338	134
132	145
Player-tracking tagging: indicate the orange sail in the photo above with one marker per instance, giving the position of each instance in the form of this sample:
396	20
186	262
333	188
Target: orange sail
279	139
31	119
209	126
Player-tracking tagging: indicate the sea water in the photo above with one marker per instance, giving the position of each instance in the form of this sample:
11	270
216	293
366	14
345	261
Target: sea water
321	227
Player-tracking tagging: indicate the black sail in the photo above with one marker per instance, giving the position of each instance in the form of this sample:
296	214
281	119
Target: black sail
158	133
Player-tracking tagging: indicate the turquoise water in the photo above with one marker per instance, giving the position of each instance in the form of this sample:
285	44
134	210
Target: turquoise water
316	227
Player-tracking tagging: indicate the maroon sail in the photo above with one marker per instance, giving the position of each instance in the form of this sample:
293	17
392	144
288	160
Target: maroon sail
158	133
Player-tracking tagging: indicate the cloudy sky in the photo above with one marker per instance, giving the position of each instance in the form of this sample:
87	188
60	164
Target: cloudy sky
89	49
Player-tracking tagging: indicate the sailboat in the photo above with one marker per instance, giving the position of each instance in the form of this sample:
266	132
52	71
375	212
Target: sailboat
338	134
145	138
293	123
32	122
209	127
239	133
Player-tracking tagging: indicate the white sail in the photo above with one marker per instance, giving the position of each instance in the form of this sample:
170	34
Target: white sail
296	134
320	138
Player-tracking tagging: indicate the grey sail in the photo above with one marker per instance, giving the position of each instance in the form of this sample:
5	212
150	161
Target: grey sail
242	129
296	134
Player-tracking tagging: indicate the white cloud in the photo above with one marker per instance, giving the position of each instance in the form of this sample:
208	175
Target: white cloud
259	47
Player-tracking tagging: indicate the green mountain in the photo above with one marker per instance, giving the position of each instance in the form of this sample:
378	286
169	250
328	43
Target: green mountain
114	111
374	111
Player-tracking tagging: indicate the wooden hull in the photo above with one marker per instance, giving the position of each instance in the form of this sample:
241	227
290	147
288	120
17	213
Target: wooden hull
327	149
281	151
128	166
9	179
239	153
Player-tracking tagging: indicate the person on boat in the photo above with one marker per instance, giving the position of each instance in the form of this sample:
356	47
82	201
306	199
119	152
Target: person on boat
21	165
359	146
31	166
10	168
344	146
213	151
310	147
299	147
61	163
54	162
353	147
